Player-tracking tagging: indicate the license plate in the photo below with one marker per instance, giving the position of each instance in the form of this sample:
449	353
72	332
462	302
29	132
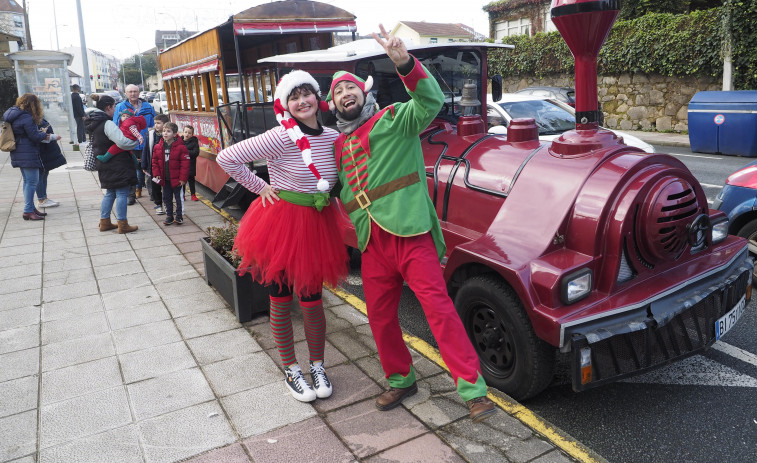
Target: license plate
726	322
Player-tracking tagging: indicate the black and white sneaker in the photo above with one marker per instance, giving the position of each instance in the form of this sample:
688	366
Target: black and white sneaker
321	382
298	385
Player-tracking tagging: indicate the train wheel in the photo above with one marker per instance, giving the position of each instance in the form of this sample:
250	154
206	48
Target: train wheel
513	359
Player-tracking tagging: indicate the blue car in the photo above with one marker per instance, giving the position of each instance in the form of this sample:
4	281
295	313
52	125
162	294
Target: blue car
738	199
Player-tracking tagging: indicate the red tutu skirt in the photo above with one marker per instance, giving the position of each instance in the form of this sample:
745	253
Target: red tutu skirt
287	244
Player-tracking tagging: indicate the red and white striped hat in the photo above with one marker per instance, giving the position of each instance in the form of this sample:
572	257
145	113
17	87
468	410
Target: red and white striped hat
285	87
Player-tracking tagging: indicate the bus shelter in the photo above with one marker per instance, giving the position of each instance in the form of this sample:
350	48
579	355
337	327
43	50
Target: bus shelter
45	74
214	82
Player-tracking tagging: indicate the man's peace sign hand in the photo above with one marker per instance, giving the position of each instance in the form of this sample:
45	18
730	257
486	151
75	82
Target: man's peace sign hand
393	46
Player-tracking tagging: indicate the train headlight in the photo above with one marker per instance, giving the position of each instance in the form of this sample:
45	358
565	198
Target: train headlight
719	231
576	286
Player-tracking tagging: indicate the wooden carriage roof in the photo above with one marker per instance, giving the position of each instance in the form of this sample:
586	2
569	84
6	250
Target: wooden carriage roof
293	16
202	51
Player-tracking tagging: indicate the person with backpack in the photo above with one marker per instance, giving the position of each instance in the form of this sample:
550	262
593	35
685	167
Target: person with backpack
25	118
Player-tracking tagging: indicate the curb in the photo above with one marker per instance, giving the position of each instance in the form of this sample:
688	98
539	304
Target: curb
547	430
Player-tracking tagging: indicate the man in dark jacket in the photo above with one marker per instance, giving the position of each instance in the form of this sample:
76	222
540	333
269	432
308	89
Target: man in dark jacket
79	115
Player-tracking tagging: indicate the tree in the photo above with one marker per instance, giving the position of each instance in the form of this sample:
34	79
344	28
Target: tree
131	68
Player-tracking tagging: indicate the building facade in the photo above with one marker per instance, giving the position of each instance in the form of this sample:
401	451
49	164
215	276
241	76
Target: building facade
518	17
422	33
12	21
103	72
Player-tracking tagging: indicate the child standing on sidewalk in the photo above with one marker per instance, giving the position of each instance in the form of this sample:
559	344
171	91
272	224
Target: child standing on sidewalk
170	170
295	245
154	136
193	146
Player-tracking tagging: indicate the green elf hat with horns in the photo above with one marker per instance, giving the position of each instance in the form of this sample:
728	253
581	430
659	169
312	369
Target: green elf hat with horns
342	76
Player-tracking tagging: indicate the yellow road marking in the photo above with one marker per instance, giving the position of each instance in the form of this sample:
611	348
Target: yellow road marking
565	443
222	213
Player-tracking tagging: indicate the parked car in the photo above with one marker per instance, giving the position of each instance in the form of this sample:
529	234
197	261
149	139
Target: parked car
581	245
566	95
159	103
552	117
115	94
738	199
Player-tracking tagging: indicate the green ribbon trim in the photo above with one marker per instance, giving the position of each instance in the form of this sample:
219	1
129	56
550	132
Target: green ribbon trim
399	381
470	391
316	200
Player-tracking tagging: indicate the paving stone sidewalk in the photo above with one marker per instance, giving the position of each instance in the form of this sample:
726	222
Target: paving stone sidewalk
114	349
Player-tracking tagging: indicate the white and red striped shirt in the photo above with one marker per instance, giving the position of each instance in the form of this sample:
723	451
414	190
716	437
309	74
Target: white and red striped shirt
286	168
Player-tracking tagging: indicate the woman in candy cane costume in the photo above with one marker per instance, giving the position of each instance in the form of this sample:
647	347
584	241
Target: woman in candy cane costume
290	239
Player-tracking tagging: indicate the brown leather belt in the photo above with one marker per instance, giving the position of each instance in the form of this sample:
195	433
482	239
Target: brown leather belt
364	198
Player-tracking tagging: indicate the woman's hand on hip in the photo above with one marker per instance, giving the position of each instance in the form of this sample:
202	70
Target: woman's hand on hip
269	194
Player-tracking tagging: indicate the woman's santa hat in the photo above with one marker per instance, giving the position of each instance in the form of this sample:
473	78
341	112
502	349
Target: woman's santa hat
285	87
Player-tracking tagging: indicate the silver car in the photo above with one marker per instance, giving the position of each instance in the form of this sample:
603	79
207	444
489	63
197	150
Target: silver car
552	117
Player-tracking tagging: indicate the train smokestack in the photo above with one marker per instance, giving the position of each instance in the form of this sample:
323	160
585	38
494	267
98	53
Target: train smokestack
585	24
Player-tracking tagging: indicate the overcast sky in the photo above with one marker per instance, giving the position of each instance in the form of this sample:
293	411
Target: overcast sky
109	23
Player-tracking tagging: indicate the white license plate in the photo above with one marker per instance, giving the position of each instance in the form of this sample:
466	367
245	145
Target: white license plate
726	322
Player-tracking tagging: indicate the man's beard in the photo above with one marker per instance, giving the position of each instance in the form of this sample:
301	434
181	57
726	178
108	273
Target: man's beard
352	113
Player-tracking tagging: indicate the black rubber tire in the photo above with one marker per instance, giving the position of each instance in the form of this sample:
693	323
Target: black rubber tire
749	231
513	359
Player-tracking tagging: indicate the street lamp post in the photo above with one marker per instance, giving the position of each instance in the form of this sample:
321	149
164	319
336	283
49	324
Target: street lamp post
139	55
176	27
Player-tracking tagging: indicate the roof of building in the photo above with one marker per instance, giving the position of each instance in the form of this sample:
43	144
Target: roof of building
425	29
11	5
183	34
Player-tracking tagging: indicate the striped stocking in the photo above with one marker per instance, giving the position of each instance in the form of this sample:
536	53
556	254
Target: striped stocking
315	328
281	327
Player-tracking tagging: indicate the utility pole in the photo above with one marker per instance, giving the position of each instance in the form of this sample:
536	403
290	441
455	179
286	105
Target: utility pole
26	27
727	48
84	58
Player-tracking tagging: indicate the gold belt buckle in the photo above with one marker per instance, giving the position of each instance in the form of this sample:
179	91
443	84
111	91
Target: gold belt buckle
362	199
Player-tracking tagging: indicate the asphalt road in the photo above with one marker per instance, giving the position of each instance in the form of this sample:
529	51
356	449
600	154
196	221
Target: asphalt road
701	410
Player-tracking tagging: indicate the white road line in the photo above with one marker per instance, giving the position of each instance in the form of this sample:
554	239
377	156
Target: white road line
694	156
710	185
735	352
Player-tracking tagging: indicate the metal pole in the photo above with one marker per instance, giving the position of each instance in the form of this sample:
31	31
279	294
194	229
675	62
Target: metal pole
141	74
84	58
55	20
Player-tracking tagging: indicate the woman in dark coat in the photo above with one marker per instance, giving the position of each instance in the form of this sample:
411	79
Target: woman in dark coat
25	118
193	146
119	174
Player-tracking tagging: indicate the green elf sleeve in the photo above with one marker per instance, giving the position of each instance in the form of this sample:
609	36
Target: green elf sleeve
426	100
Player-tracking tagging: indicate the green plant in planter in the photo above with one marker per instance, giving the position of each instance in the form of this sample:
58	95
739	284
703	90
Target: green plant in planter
222	240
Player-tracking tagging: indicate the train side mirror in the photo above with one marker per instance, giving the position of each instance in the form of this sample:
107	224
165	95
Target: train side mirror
496	88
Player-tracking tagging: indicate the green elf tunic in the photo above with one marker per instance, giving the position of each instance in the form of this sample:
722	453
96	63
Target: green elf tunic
382	161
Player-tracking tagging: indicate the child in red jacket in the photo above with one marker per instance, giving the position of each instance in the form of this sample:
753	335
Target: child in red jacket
130	126
170	170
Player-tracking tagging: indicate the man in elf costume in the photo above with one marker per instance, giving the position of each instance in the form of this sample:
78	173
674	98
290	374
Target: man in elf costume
384	191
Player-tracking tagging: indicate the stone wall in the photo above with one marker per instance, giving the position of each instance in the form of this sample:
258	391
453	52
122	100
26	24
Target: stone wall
635	101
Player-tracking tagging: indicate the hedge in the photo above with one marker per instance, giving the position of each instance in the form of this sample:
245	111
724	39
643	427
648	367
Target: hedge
658	43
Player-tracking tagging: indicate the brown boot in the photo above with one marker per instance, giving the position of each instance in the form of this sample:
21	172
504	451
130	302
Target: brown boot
138	193
481	408
124	227
106	224
394	396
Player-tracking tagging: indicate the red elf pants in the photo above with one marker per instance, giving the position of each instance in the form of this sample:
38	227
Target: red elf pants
387	261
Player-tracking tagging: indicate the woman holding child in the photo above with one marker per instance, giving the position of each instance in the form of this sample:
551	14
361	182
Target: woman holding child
290	238
117	175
